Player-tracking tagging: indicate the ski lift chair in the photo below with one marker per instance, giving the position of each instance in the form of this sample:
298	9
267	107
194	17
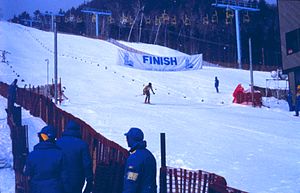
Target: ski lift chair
173	20
246	18
79	19
187	20
94	18
110	20
229	13
214	18
205	20
165	17
228	21
157	20
148	20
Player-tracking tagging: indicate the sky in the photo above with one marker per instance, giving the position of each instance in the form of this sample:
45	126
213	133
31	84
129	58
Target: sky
255	149
9	8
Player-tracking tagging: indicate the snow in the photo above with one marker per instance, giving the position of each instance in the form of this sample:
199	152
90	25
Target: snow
255	149
6	172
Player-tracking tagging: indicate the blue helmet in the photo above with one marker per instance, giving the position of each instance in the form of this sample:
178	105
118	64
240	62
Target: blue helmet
134	135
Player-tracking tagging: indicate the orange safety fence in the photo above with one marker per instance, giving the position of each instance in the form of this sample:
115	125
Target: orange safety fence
195	181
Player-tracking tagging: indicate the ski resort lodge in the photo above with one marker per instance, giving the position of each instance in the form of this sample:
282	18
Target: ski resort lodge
289	21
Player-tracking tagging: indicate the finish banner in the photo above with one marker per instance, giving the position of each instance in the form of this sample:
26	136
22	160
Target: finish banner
160	63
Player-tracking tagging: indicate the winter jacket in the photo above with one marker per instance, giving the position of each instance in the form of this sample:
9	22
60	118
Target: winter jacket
216	83
140	168
45	168
146	90
298	101
79	163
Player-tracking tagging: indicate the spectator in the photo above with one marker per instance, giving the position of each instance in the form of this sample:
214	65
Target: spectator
217	84
78	159
146	91
12	92
289	99
297	107
140	168
45	165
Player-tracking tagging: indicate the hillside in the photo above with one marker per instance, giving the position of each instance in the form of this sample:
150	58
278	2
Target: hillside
255	149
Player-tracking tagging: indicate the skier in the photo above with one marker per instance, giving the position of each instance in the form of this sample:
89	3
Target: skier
146	91
289	99
217	84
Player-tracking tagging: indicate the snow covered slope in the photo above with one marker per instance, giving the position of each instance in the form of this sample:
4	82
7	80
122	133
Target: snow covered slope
255	149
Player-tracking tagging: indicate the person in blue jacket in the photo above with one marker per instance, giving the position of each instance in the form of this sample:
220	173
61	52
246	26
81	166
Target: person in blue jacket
297	106
217	84
79	162
140	168
289	99
45	165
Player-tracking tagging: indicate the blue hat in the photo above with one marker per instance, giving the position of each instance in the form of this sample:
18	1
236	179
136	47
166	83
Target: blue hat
134	135
49	130
72	125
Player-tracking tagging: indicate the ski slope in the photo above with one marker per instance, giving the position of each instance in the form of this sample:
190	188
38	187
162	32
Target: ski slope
255	149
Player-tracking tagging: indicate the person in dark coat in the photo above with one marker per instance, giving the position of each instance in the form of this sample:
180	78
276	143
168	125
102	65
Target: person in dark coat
79	162
12	92
289	99
146	91
140	168
45	165
217	84
297	106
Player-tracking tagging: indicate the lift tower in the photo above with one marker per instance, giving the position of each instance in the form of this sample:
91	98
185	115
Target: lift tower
237	6
96	13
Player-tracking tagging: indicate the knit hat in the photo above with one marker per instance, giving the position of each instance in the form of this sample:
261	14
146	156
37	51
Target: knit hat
48	132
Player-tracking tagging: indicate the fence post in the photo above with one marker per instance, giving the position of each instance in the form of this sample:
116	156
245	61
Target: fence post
19	138
163	169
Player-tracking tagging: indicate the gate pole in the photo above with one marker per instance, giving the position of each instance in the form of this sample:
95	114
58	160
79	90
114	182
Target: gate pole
163	169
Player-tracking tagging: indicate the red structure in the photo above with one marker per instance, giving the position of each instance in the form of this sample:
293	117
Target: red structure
180	180
242	96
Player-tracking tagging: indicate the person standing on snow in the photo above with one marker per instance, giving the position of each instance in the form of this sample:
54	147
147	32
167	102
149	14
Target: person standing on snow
297	106
45	165
140	167
217	84
289	99
78	159
146	91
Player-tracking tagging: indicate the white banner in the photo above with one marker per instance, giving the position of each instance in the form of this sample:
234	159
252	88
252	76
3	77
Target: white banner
160	63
